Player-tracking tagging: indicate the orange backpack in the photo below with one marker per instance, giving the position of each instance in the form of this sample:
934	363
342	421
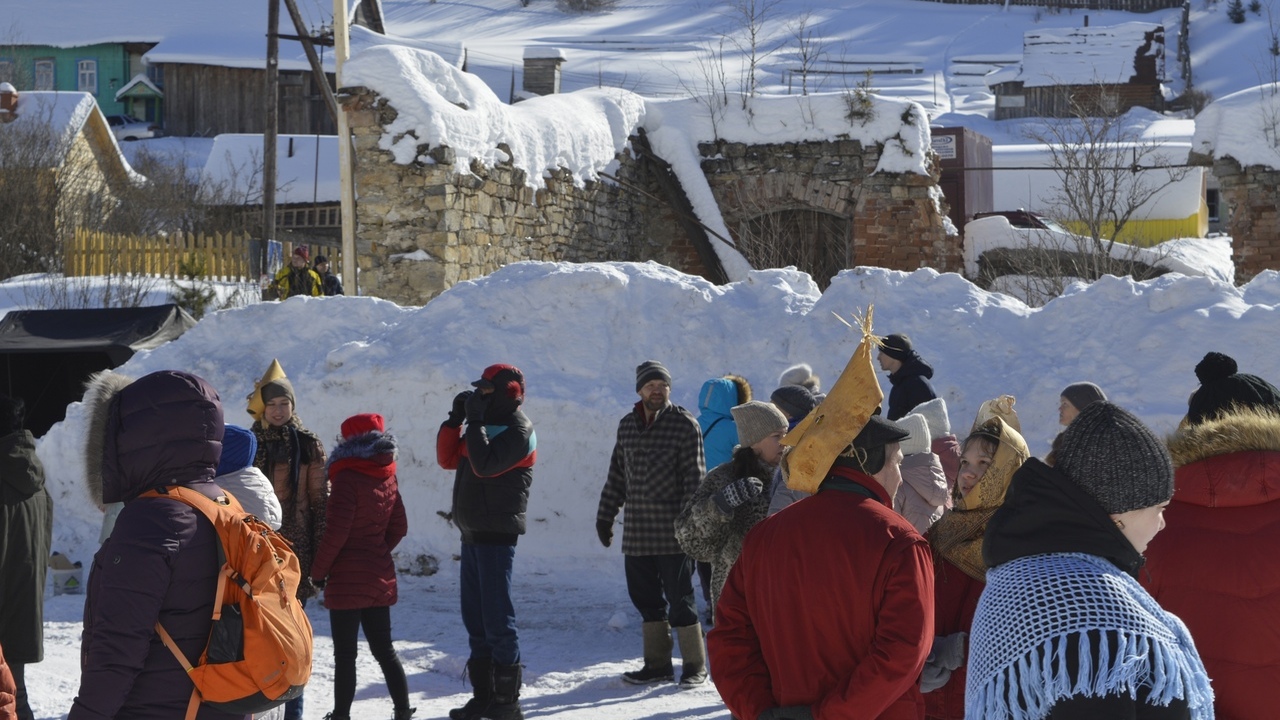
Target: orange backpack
259	651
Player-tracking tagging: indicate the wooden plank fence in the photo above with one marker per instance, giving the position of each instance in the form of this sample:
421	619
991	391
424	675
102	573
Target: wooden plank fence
222	256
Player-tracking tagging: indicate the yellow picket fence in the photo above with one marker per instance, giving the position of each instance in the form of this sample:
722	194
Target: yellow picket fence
219	256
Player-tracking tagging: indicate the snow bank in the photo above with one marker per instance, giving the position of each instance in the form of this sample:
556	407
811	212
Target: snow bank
578	331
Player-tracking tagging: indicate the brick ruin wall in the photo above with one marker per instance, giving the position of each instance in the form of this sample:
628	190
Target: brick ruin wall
469	224
1253	196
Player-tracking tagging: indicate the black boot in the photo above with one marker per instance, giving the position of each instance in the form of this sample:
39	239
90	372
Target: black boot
481	672
506	694
404	713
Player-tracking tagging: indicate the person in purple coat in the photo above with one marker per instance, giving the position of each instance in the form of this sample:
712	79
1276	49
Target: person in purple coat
160	563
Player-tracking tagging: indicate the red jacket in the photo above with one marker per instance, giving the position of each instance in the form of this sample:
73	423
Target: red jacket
364	521
830	605
1215	565
955	600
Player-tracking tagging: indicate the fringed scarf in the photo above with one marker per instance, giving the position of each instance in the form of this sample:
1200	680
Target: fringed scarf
957	536
1034	608
280	444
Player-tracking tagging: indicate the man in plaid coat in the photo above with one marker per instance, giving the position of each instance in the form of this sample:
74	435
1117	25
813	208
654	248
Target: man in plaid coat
656	466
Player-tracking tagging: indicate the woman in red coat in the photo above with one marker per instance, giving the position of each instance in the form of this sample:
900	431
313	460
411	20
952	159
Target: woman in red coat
990	456
1215	566
364	522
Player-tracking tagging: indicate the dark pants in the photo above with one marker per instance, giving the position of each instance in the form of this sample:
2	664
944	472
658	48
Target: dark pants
345	626
704	579
19	679
487	610
655	582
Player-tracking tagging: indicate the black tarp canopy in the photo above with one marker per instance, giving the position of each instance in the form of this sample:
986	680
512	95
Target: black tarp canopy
46	355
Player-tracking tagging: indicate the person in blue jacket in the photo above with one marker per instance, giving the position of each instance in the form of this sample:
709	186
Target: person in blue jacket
719	438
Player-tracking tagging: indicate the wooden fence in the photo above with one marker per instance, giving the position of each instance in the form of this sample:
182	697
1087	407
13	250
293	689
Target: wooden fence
219	256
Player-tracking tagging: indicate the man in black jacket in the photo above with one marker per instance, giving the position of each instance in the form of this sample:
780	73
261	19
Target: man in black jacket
494	459
908	374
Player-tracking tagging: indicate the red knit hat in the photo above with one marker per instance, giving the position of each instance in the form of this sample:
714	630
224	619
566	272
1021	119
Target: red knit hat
361	424
505	378
303	252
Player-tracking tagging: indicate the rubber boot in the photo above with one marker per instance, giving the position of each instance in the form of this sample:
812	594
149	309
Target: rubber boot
657	655
506	694
481	672
405	713
693	655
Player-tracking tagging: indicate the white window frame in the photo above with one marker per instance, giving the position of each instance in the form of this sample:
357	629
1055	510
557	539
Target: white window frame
87	76
46	77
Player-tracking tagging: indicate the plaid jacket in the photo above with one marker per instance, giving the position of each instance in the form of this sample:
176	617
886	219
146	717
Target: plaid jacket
654	471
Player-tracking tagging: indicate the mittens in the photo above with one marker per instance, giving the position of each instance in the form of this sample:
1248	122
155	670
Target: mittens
948	650
458	412
737	492
604	531
933	677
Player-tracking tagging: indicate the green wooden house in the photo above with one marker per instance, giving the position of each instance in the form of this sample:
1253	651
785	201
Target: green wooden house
107	71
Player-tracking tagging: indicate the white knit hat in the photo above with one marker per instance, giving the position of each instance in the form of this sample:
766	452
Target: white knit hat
935	412
803	375
919	440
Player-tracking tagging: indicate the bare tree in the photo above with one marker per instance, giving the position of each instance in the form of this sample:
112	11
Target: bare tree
752	38
1106	173
810	49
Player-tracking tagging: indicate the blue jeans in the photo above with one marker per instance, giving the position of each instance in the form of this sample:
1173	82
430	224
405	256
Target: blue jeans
487	611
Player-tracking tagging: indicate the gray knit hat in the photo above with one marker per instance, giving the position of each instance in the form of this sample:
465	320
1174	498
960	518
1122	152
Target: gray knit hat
1111	455
757	420
651	370
794	400
280	387
1083	394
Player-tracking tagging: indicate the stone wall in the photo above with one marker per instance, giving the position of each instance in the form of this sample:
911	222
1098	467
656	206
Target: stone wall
425	226
1252	195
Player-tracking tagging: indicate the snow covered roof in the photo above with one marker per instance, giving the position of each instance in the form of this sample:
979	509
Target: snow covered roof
306	168
1084	56
1242	126
139	79
539	52
64	114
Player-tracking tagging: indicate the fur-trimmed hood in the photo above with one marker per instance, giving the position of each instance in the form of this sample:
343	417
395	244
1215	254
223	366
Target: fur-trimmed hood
1232	461
99	390
366	446
163	429
1239	431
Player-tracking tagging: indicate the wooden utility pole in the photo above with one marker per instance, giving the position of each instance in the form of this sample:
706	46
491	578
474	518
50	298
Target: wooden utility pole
346	158
317	70
272	128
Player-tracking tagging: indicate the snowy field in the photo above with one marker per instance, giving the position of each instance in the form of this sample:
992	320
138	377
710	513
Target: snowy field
578	331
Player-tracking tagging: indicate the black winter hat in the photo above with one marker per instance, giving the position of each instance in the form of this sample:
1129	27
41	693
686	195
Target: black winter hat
1223	387
320	260
898	347
794	400
1111	455
651	370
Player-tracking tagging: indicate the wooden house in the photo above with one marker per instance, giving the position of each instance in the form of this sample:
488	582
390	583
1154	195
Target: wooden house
1105	70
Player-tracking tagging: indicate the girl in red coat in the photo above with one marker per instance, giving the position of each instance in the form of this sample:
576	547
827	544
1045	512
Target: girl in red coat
365	520
989	457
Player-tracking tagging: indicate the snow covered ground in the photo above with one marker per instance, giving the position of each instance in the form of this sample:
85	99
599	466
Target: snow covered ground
578	331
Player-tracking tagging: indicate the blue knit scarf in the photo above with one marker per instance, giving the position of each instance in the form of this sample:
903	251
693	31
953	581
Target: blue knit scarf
1034	606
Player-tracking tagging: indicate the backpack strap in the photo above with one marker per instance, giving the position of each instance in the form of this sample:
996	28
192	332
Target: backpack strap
193	706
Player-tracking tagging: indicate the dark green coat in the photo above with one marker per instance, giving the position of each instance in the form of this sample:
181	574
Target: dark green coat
27	524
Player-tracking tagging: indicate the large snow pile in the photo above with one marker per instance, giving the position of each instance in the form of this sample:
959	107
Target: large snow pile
578	331
1244	125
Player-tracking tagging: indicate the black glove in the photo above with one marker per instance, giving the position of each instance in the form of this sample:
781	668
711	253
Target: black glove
737	492
475	406
458	412
319	583
790	712
604	530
